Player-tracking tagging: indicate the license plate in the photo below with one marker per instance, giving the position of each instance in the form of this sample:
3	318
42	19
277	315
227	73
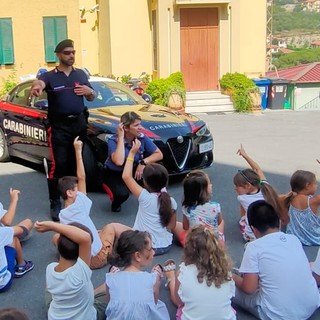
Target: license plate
204	147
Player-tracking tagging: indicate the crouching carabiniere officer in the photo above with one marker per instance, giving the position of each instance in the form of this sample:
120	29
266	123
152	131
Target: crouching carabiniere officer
67	116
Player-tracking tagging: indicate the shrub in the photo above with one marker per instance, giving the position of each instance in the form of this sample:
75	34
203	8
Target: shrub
159	88
9	83
125	78
239	87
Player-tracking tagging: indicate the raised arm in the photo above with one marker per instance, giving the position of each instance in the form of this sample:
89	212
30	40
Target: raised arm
118	156
241	152
9	216
77	235
127	177
81	174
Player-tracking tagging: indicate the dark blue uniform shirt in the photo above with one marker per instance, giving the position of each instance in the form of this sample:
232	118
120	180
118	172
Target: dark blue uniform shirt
62	99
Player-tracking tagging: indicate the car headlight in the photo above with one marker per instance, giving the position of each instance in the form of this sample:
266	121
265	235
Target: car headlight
204	131
104	136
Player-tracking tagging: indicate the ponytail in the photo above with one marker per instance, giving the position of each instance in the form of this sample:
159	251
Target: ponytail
165	208
278	203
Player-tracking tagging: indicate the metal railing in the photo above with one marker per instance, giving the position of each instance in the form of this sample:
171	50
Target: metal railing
313	104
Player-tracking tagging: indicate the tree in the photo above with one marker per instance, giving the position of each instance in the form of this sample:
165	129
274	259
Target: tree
297	58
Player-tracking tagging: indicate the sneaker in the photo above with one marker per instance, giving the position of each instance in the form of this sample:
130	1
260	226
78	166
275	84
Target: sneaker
20	271
55	207
115	208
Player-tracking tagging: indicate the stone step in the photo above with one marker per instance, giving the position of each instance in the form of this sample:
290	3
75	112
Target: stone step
208	101
208	109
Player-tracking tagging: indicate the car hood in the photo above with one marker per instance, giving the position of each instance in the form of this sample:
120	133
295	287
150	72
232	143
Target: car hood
157	121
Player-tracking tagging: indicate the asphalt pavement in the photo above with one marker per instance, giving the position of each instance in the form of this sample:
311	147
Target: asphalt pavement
280	141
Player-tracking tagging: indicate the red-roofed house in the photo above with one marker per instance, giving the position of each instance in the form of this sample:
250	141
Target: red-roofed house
312	5
315	44
304	85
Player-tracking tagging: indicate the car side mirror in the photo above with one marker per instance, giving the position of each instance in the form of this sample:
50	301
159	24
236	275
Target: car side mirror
147	97
41	104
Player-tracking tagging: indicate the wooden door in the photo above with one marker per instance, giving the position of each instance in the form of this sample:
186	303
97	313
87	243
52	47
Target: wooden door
199	41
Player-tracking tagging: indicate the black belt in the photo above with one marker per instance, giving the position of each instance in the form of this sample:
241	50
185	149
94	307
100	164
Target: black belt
65	117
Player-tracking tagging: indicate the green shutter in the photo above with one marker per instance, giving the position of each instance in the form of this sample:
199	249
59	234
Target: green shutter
6	41
49	39
61	28
55	30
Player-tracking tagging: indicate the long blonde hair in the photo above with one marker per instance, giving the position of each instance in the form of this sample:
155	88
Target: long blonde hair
204	250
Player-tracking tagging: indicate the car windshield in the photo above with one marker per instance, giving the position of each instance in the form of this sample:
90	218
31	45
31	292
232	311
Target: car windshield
111	94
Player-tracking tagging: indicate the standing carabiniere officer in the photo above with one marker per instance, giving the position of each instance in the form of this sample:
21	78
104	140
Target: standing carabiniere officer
65	86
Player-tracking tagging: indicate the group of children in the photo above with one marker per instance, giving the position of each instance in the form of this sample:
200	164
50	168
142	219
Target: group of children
204	284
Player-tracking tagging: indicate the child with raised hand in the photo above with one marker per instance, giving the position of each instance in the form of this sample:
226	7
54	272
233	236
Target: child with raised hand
197	208
71	294
157	210
77	209
251	185
203	285
12	262
133	293
304	208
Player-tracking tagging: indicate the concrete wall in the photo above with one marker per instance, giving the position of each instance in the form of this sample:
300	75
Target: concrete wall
117	39
125	27
248	37
28	36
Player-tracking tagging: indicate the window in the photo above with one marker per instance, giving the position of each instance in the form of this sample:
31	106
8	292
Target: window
6	41
54	30
21	96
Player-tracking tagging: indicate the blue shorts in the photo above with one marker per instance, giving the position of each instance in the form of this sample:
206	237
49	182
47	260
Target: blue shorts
160	251
11	260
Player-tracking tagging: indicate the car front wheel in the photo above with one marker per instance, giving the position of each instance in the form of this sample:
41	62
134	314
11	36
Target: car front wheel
4	153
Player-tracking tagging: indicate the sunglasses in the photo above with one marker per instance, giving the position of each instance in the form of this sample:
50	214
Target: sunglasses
67	53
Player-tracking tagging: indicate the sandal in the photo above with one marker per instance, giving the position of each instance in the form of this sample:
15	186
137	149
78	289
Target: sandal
158	269
169	268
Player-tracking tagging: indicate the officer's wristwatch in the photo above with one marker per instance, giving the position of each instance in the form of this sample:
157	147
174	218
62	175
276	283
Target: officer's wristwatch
142	162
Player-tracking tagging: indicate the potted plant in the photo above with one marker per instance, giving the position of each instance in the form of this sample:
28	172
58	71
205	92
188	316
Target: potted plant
175	98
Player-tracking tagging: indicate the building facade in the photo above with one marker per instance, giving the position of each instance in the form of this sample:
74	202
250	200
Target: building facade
203	39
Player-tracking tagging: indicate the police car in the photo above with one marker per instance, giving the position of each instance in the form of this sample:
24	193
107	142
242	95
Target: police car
184	139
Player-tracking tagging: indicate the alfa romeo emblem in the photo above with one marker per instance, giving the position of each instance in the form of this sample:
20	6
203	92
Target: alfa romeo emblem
180	139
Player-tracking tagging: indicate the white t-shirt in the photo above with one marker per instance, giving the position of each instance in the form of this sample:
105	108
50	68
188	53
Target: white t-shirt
79	212
148	219
2	213
316	264
72	292
245	200
6	238
202	302
287	287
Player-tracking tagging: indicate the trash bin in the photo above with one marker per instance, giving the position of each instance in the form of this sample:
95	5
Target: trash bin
277	93
263	84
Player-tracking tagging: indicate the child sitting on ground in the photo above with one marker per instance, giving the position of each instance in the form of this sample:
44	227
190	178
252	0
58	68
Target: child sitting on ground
203	286
251	185
77	209
273	266
304	208
12	262
133	293
197	207
71	294
157	210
